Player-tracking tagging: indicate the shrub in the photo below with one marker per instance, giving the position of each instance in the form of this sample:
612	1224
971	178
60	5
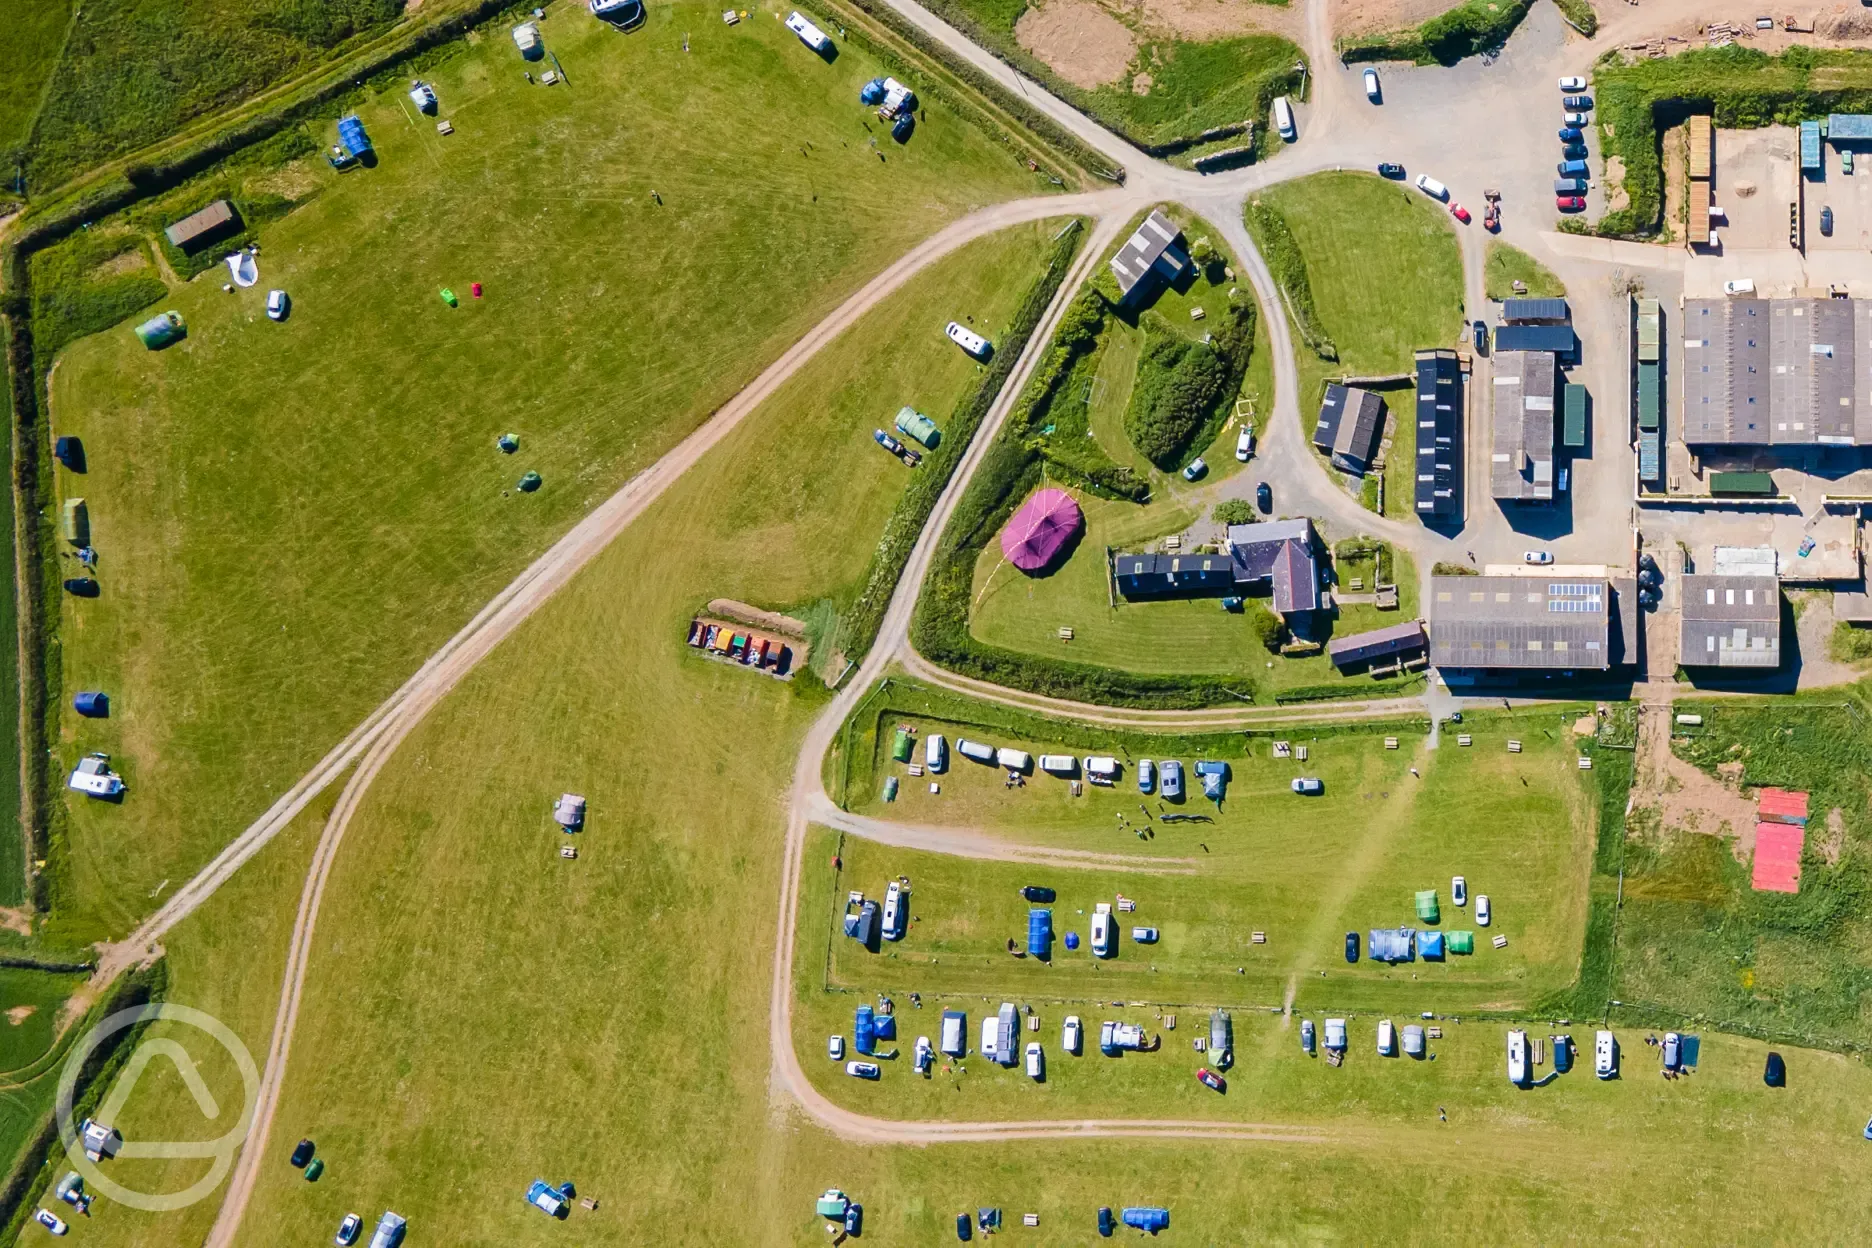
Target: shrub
1452	569
1178	384
71	300
1233	511
1269	627
1579	14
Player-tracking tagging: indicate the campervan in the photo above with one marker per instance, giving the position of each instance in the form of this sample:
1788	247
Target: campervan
1517	1056
1605	1055
935	753
1284	118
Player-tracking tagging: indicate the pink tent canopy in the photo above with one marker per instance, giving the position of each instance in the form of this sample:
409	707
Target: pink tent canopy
1040	529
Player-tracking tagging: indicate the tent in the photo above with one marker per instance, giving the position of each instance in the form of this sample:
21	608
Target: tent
1390	944
69	451
1462	942
1009	1033
75	523
1221	1036
1427	905
1430	946
1041	529
528	483
161	330
902	746
92	705
886	1025
1147	1219
1039	932
914	424
246	273
864	1031
351	134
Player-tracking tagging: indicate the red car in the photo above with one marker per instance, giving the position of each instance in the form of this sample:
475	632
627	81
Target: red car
1209	1079
1460	213
1569	203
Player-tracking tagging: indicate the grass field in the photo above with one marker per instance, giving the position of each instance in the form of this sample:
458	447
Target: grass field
291	516
135	71
35	32
1508	264
1387	281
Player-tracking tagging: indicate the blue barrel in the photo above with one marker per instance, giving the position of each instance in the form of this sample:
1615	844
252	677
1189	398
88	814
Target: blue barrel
1039	932
864	1031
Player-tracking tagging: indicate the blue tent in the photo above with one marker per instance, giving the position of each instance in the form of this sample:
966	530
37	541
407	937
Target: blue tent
92	705
872	93
1390	944
1146	1218
1430	946
864	1031
351	134
1040	933
886	1025
1072	940
1215	775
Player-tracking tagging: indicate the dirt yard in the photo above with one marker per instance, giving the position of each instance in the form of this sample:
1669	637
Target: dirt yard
1078	40
1685	798
1369	17
1221	19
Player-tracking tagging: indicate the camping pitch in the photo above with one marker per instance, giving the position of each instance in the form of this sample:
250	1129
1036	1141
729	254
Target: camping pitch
1041	528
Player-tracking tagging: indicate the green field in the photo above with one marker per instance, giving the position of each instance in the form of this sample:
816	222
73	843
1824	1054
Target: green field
292	516
1387	281
1508	264
35	31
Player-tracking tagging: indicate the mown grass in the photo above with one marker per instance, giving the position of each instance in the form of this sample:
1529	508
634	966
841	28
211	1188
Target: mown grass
293	515
134	71
1508	264
1385	275
35	31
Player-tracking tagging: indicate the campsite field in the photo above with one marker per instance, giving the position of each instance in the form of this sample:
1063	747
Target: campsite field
1386	276
683	759
35	33
291	516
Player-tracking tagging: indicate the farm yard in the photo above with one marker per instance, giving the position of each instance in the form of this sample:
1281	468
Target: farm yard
360	512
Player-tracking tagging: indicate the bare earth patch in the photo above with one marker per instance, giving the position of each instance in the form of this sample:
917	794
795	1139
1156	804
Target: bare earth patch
1077	40
1141	84
20	1013
16	919
1365	17
129	262
1198	20
1835	839
1685	797
1616	198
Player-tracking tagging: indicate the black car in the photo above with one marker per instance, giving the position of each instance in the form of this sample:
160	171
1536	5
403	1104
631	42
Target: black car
1577	103
1351	946
301	1154
1390	170
1038	893
1264	498
1106	1224
1575	151
1480	331
965	1229
1826	221
1569	186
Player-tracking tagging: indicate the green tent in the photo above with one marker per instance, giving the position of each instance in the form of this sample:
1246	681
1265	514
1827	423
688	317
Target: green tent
76	522
529	483
1460	942
1426	906
161	330
902	746
508	442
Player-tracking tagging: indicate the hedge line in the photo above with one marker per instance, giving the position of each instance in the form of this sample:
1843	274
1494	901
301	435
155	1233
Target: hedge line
1445	39
1579	15
932	477
1072	357
1288	264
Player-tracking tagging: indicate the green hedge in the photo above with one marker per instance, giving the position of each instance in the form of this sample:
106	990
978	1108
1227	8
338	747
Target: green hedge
1445	39
1183	387
71	299
1055	429
1579	15
1285	260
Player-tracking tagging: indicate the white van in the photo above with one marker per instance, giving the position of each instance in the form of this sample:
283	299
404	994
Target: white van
1431	187
1517	1057
1387	1039
1605	1055
980	751
1102	930
1059	764
968	340
1036	1064
809	34
1014	760
935	753
1284	119
1101	769
991	1038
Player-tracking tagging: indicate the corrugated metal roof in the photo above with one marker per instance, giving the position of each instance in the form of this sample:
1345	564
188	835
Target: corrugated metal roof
1702	144
1852	127
1376	643
1648	455
1153	241
1555	338
1520	622
1730	621
1521	459
201	225
1516	310
1777	857
1725	372
1574	434
1782	805
1809	145
1699	225
1439	433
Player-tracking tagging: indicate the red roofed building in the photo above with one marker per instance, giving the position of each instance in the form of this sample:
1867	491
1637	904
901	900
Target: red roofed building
1777	856
1781	806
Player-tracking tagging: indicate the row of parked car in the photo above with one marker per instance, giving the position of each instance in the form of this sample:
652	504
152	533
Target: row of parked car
1570	188
768	654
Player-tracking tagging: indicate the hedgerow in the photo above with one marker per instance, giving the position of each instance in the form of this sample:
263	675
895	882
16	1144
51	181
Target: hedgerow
1288	264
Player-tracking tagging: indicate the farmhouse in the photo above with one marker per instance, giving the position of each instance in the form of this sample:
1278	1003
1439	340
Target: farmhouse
1151	258
1351	421
1282	553
1439	435
1776	372
1730	621
1159	576
199	229
1529	623
1521	468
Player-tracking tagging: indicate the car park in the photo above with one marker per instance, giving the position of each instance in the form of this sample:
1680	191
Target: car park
1569	203
1036	1061
1571	134
835	1048
1244	443
1307	786
1170	778
863	1070
1351	946
1209	1079
1573	119
1826	221
1072	1035
1390	169
1483	915
1460	213
968	340
1572	82
1537	556
1459	891
348	1230
1146	775
1576	103
1264	497
1371	85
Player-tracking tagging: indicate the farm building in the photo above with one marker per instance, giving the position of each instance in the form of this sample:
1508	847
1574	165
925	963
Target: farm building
1777	857
1521	468
1284	554
1534	311
1151	258
200	229
1439	435
1730	621
1781	806
1525	623
1351	422
1160	576
1395	641
1043	527
1556	339
1775	372
1854	608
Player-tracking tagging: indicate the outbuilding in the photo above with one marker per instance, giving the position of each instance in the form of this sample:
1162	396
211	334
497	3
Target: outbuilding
201	228
1351	423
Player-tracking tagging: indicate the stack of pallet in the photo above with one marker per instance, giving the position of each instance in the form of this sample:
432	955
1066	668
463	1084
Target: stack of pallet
1649	325
1702	166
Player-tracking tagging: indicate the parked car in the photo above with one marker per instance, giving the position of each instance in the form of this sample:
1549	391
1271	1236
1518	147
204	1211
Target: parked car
887	442
1673	1050
1562	1054
1573	119
1576	103
1431	187
1479	331
969	340
1195	470
1308	786
1537	556
1036	1061
1039	894
51	1221
1264	498
1570	186
1144	935
1072	1035
965	1230
1244	443
1569	203
1460	213
276	304
1739	286
1107	1224
1482	914
1573	168
1146	774
302	1153
1826	221
1170	778
1209	1079
835	1048
1351	946
863	1070
1574	151
1387	1038
348	1230
1390	170
1371	85
1571	134
1308	1038
1572	82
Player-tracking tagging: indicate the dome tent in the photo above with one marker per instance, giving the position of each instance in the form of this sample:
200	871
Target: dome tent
1040	529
